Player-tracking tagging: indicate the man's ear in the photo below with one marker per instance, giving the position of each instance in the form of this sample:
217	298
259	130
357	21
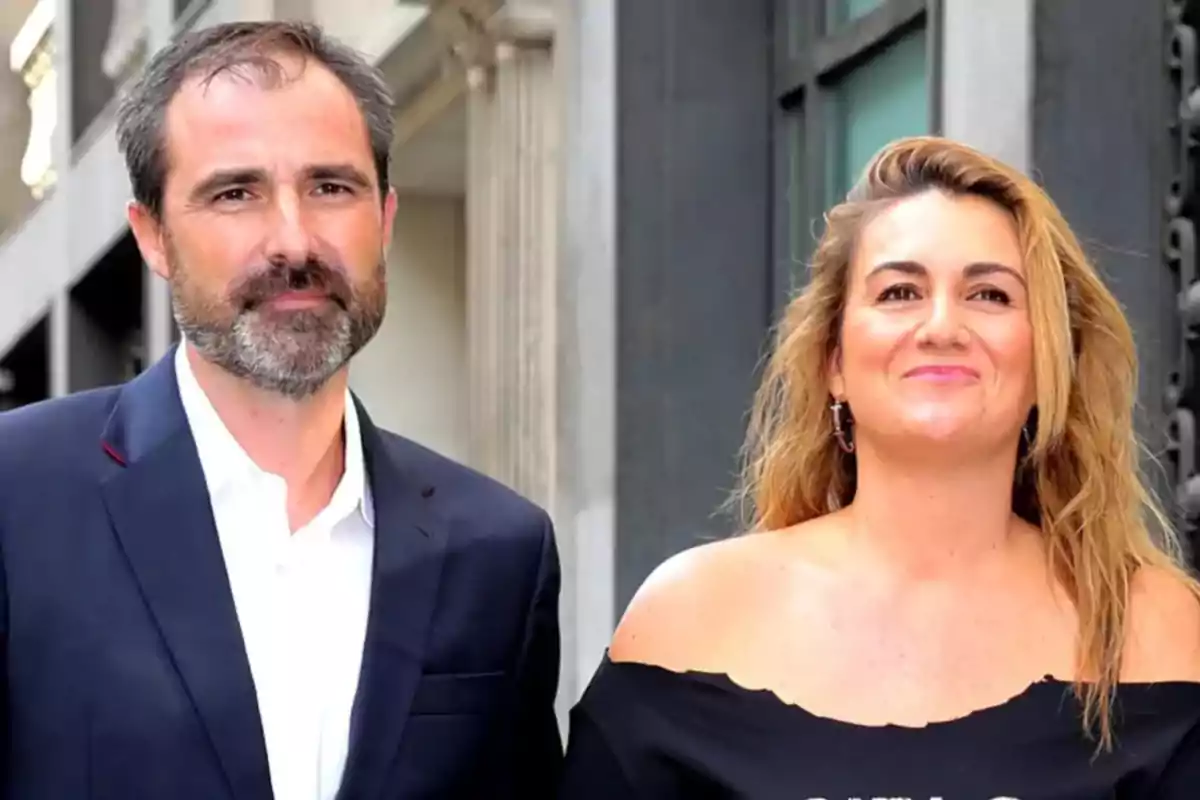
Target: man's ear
389	216
148	233
837	383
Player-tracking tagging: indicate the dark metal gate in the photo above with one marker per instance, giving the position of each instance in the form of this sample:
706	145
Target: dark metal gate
1182	206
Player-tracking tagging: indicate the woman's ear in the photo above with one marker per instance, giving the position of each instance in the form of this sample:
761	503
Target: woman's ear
837	384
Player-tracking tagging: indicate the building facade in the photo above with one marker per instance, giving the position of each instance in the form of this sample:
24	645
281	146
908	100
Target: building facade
604	204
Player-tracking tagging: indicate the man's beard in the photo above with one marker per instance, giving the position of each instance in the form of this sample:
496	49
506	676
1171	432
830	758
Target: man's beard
292	352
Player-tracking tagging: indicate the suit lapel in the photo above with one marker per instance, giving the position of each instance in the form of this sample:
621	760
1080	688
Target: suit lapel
159	505
410	544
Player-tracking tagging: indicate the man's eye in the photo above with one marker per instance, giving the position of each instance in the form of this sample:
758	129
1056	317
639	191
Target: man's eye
332	188
234	195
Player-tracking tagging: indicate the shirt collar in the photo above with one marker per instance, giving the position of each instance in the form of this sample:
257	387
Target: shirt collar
226	464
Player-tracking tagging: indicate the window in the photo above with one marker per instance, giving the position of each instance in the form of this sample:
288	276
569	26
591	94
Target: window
882	100
187	11
840	12
851	76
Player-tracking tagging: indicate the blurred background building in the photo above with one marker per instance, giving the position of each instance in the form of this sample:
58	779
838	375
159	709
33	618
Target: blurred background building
604	204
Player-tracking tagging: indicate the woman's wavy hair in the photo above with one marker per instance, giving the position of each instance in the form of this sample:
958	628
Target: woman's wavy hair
1078	478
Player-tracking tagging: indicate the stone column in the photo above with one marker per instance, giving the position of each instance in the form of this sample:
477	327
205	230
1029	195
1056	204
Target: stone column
512	279
541	255
33	55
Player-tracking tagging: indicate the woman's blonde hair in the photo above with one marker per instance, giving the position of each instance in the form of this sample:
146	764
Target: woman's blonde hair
1079	480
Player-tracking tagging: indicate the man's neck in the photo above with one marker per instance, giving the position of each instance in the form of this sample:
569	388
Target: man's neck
298	440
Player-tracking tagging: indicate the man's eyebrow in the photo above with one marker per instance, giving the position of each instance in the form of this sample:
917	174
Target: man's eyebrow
339	172
226	178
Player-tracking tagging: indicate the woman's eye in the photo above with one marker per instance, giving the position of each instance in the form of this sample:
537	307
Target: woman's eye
901	292
993	295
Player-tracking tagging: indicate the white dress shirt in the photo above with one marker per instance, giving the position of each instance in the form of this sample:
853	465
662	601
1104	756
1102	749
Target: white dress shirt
302	598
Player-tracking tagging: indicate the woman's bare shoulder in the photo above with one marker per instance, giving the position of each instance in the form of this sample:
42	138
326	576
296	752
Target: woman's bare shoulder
1163	642
680	616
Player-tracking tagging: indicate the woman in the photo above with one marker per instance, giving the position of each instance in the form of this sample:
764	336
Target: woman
953	590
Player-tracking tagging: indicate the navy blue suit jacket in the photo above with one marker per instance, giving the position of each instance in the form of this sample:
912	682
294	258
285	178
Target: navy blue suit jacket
125	676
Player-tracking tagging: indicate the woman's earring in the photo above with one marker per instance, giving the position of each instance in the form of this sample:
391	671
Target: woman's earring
841	426
1029	430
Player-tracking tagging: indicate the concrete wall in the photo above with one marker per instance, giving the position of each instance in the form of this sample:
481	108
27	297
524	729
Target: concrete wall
694	264
370	26
412	377
96	359
89	201
24	292
15	199
1100	147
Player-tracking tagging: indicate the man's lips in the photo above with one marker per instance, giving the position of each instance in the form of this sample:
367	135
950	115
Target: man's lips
300	299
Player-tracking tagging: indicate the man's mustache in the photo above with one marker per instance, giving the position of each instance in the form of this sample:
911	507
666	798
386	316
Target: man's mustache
279	278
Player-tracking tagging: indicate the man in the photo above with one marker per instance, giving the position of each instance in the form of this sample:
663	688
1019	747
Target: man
221	580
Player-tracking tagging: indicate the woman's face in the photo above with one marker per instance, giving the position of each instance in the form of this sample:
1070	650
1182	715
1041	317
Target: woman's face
936	344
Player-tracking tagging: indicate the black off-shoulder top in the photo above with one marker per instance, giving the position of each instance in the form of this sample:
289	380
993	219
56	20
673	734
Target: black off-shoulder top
643	732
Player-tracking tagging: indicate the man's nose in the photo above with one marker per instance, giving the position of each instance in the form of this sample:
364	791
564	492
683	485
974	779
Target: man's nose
289	236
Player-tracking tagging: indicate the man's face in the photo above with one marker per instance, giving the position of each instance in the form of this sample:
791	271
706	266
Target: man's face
272	232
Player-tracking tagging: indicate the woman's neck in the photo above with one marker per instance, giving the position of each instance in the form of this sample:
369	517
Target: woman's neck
930	521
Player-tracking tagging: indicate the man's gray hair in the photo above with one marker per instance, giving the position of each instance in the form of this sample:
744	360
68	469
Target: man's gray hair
241	48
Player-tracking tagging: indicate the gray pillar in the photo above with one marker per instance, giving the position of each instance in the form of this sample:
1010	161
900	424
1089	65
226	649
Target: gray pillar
60	345
158	324
60	311
586	49
987	76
